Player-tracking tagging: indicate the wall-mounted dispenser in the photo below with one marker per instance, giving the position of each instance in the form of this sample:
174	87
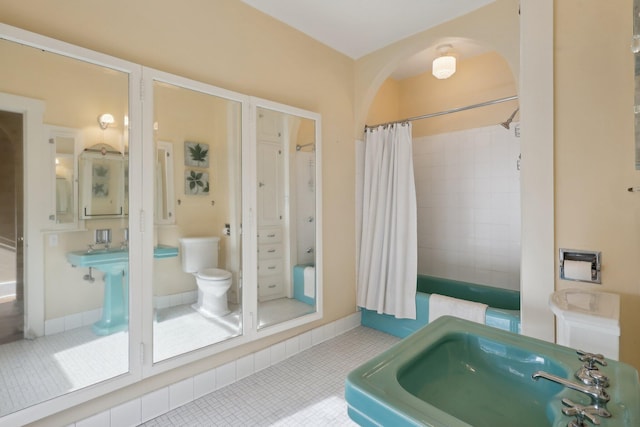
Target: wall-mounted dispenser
581	266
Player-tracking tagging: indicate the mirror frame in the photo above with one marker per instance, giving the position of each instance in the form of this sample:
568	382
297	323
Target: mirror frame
36	217
289	110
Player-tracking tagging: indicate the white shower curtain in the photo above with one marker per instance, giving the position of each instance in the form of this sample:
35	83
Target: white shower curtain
387	263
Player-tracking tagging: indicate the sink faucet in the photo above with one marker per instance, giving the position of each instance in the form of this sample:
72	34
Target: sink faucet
597	393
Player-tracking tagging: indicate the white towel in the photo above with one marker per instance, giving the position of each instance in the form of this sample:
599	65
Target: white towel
310	282
441	305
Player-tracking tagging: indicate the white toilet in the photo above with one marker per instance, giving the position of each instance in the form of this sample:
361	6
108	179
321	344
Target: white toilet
200	257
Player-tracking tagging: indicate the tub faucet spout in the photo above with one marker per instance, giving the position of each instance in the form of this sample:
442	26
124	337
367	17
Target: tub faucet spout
597	393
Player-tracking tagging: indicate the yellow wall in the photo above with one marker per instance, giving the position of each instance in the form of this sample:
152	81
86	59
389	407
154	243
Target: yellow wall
478	79
594	150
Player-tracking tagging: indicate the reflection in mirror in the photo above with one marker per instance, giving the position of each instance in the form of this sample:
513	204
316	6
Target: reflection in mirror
103	182
63	144
196	276
286	216
58	347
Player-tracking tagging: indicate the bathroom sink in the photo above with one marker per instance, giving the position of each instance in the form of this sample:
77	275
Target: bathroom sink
454	373
98	257
102	257
114	262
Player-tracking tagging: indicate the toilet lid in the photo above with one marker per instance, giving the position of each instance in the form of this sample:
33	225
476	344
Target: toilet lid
214	274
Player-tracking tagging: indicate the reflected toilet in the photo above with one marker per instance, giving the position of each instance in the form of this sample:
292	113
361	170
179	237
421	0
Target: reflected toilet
200	258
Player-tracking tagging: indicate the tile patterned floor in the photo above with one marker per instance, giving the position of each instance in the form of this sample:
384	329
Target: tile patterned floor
304	390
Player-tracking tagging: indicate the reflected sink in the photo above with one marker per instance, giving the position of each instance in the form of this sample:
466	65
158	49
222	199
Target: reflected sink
98	257
106	257
458	373
114	262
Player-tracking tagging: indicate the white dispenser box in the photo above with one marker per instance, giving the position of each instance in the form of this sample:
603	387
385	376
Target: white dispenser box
587	320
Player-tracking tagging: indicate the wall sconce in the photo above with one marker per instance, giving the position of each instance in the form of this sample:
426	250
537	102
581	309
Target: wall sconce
444	66
105	120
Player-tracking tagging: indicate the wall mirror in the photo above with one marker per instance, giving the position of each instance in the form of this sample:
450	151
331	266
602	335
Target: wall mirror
103	182
196	292
49	342
287	146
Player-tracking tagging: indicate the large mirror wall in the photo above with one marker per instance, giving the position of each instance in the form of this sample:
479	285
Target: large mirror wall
56	335
286	215
211	286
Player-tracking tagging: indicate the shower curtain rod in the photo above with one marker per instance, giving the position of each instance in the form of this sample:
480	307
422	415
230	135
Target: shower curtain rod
441	113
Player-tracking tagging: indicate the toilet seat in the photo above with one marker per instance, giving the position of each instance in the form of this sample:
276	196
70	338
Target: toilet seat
214	274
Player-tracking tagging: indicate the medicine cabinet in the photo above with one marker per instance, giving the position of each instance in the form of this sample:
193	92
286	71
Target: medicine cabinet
64	201
103	182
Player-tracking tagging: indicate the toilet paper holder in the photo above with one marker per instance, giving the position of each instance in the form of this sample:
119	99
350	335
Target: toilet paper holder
593	257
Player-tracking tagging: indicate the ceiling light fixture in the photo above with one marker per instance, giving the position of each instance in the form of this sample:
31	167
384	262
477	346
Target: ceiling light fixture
444	66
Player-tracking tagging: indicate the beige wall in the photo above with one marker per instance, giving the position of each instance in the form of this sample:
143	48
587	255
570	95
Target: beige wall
481	78
594	150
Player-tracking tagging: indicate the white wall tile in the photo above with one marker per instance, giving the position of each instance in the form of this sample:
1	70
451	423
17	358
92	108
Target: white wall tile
245	366
155	404
468	193
180	393
204	383
262	359
292	346
225	374
278	352
128	414
99	420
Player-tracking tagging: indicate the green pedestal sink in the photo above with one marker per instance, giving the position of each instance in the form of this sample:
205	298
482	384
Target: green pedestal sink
456	373
114	263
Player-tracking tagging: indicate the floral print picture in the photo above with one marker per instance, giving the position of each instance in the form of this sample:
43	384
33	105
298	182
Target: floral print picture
196	154
196	183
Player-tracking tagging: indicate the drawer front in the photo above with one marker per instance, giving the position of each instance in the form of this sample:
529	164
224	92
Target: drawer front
270	251
269	235
268	286
270	267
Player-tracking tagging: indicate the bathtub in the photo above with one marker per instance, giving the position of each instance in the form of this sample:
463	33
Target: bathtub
503	311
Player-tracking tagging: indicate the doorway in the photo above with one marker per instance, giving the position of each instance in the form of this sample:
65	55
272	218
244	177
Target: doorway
11	227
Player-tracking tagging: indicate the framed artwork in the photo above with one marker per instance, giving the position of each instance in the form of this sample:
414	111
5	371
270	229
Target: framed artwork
196	154
196	183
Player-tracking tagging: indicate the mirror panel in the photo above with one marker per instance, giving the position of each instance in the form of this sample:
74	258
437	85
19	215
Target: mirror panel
197	292
286	216
75	332
102	182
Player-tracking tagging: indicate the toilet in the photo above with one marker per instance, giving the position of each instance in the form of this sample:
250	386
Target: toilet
200	257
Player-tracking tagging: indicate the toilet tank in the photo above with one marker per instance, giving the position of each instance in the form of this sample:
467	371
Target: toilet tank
198	253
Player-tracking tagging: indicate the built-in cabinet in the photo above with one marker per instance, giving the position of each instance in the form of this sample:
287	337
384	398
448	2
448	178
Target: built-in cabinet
272	280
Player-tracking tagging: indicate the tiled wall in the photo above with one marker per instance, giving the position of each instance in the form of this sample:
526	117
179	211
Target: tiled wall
468	194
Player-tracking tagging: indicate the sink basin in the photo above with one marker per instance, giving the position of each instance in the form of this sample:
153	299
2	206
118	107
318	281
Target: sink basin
455	373
114	262
98	258
106	257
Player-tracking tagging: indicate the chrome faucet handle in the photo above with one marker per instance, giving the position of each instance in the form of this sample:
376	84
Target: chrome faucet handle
599	379
582	412
591	359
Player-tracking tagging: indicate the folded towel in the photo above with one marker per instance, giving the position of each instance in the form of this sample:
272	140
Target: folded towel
310	282
441	305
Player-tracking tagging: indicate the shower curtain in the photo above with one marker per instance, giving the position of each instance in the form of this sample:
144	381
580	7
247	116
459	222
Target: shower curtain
387	263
